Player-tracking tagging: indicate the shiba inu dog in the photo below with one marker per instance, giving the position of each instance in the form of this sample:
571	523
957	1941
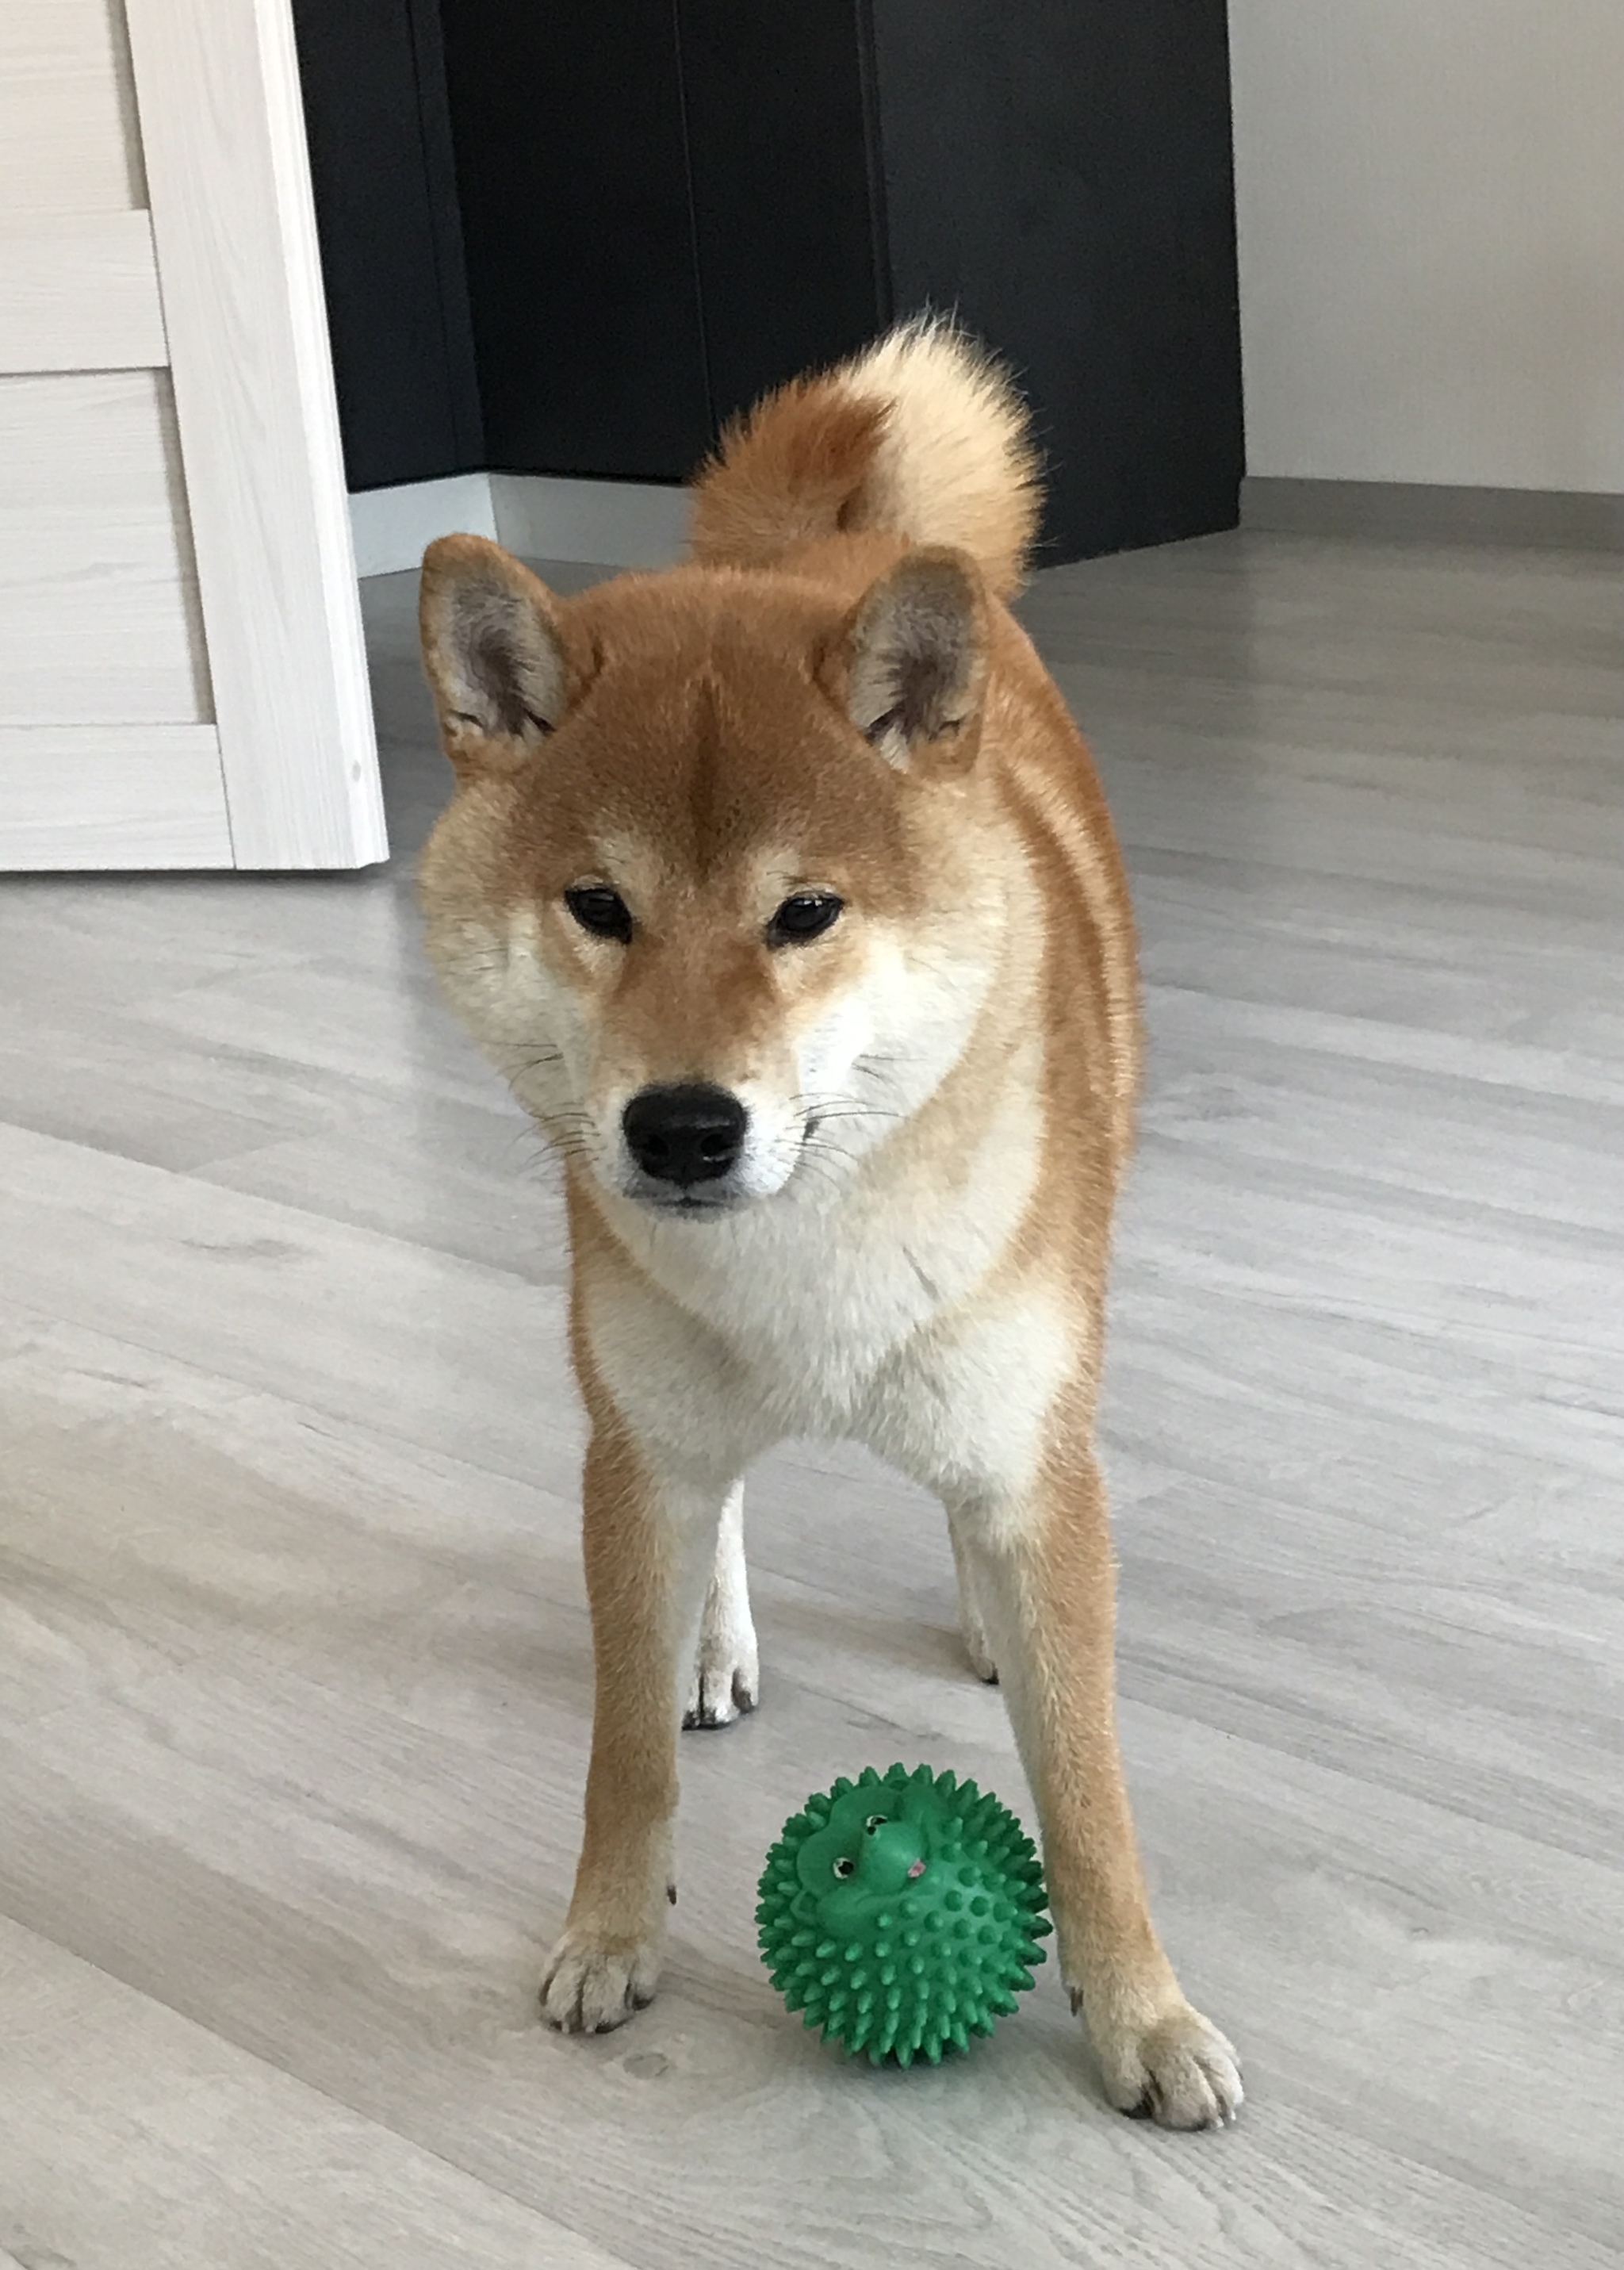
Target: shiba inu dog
780	886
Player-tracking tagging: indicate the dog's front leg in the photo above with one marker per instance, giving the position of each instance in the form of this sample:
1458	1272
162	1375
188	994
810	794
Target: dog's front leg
1044	1581
727	1669
650	1544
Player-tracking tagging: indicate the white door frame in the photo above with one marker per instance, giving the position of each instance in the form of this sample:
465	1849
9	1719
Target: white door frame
228	179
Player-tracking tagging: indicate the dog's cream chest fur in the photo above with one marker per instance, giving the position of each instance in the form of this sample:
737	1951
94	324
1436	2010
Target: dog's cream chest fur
876	1315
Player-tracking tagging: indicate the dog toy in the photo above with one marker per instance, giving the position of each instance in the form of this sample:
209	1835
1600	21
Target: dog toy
901	1912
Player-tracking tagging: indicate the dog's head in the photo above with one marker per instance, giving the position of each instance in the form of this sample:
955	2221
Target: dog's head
708	892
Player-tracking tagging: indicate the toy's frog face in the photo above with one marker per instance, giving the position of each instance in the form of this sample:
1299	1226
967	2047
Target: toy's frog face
876	1843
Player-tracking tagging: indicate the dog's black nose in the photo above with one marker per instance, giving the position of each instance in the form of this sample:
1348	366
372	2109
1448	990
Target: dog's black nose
684	1135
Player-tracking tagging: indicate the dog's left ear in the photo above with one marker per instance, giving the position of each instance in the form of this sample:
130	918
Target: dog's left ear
915	651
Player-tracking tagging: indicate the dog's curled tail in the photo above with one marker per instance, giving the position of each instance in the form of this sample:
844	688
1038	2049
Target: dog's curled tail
923	435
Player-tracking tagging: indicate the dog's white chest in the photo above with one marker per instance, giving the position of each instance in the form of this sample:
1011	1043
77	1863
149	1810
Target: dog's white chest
813	1311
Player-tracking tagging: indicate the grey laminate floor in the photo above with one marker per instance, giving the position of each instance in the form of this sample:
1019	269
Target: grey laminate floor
293	1665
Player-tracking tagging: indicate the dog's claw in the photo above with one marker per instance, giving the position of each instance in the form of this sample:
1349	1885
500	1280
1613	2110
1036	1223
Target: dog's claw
593	1985
725	1688
1181	2073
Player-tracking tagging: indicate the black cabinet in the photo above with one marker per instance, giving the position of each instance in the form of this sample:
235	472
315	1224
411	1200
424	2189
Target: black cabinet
379	128
667	205
1060	171
571	154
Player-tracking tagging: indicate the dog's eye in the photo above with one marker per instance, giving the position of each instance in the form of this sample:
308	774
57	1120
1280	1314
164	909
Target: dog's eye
875	1821
845	1867
808	914
601	911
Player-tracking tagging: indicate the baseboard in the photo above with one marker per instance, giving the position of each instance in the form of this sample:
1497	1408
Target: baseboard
606	523
392	527
643	525
1434	513
614	523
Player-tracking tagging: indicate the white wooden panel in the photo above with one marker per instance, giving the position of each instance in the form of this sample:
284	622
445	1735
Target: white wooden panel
79	291
68	141
97	592
216	83
112	795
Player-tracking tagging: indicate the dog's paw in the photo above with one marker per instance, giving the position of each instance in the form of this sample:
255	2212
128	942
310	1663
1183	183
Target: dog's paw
727	1677
594	1983
1180	2072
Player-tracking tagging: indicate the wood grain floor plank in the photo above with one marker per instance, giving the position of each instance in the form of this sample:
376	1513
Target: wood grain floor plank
132	2139
295	1811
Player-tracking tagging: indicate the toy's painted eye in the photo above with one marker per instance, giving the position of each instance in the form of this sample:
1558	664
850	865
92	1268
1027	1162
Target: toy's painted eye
845	1867
875	1821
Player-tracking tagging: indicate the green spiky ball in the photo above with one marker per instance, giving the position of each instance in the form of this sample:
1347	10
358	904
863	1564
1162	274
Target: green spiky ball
901	1912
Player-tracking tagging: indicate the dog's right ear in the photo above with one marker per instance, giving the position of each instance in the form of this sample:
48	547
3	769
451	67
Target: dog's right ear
497	653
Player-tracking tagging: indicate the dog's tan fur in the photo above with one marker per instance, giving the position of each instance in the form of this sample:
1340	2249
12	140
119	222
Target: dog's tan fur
830	697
